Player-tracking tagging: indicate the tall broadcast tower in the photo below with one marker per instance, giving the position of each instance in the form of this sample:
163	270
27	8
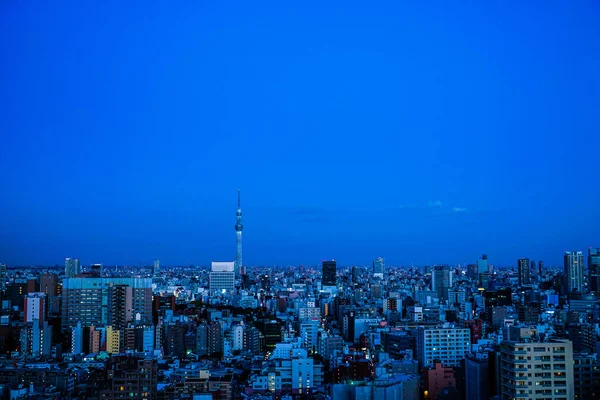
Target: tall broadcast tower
238	234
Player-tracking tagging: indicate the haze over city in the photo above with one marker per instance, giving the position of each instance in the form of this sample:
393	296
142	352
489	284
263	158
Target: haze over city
422	132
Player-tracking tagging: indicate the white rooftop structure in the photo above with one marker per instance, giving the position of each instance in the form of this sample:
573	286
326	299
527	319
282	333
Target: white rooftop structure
223	266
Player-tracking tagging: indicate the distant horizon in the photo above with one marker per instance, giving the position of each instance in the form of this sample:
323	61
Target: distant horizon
168	265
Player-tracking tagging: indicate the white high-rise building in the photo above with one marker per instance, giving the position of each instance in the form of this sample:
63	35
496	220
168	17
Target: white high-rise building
222	276
34	307
537	370
238	337
574	270
449	345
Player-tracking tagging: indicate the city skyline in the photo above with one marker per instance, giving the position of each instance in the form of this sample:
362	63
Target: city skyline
418	132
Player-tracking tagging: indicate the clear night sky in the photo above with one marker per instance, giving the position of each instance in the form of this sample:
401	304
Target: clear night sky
413	130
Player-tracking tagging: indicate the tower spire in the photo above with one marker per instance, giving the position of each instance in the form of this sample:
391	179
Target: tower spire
238	234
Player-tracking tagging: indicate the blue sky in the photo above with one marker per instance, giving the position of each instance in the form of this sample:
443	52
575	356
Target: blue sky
419	131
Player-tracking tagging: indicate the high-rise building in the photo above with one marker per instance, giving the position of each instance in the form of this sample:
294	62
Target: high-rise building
120	298
156	268
77	339
238	235
379	267
49	285
537	370
524	271
215	336
540	267
448	345
36	338
113	340
574	270
34	307
252	340
222	276
583	337
472	271
86	300
2	277
237	333
175	339
355	274
329	272
586	371
441	281
594	269
94	339
482	264
72	267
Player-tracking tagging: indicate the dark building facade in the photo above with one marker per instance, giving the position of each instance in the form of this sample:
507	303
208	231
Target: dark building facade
329	273
524	271
130	377
594	269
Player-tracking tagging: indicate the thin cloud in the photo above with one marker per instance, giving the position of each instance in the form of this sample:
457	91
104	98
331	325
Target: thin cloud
309	214
313	220
459	210
436	203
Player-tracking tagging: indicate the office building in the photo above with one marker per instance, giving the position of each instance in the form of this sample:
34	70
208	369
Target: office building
537	370
482	264
448	345
379	267
86	300
329	273
524	271
72	267
476	378
441	281
222	276
156	268
594	270
540	267
574	270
